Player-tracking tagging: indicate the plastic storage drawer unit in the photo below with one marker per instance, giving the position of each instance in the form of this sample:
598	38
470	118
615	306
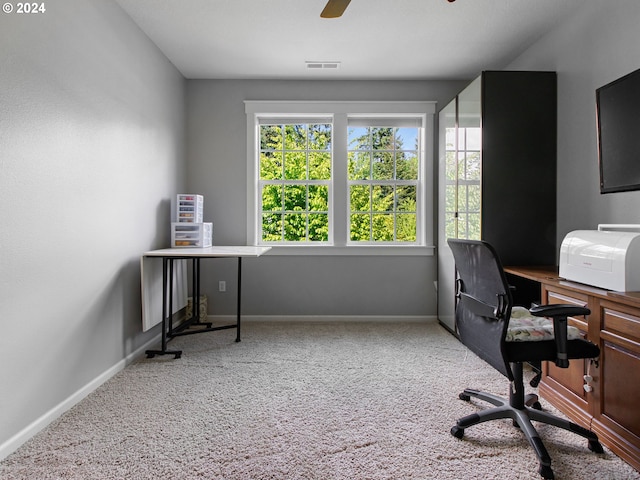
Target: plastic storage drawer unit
189	207
191	234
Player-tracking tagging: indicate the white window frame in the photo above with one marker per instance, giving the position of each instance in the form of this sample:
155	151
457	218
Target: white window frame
339	243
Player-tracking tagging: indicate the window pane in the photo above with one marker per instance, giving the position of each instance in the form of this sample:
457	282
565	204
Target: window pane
382	227
406	199
319	227
382	200
319	166
383	165
462	225
318	198
295	227
463	205
451	166
407	138
360	198
271	198
320	137
295	165
462	165
473	228
474	138
360	227
450	198
270	165
407	166
271	227
270	137
295	197
295	137
473	198
406	227
358	138
382	138
359	165
472	166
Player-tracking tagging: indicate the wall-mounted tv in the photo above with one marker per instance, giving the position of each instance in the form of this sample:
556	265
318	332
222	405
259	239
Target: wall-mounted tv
618	122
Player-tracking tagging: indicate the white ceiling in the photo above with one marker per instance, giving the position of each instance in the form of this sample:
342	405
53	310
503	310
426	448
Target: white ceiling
374	39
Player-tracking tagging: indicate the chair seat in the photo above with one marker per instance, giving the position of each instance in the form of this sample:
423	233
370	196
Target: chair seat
524	327
531	338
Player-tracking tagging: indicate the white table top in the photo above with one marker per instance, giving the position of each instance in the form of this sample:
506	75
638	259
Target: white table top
215	251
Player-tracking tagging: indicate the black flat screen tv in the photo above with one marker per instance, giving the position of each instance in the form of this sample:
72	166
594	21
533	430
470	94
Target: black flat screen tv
618	124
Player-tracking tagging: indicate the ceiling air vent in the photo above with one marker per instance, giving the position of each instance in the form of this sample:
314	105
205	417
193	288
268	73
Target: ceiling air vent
322	65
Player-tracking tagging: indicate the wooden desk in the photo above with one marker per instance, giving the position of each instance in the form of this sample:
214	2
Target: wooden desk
169	256
611	408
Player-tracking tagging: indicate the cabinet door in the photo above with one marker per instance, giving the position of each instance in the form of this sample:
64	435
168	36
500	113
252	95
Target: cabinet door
459	189
620	357
447	122
572	378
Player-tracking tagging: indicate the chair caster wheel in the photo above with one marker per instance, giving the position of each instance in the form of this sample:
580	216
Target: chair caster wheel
457	432
465	397
595	447
546	472
536	406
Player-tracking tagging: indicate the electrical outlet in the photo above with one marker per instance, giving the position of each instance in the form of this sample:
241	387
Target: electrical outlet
222	286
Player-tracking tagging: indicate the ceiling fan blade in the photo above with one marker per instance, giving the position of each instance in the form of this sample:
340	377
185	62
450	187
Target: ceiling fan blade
335	8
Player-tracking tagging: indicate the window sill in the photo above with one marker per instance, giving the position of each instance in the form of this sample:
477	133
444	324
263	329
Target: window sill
368	250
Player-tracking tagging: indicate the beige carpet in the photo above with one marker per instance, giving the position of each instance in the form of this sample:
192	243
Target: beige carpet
299	401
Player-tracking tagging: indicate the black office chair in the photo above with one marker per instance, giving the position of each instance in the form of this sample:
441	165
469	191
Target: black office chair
483	312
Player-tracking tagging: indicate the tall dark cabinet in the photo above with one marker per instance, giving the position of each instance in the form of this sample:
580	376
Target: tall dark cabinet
497	173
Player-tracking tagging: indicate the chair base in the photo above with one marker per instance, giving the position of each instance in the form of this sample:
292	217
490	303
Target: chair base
522	417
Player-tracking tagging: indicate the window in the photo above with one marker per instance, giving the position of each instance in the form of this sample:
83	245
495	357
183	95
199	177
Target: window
383	173
294	180
332	177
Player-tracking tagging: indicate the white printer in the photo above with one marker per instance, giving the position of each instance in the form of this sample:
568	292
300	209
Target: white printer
607	258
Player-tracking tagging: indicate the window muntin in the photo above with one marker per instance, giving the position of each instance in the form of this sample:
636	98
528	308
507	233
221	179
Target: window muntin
295	178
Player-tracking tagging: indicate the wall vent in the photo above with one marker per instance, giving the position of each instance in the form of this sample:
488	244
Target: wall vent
322	65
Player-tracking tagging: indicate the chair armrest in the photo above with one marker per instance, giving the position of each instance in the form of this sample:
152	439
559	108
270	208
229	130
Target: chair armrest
560	310
559	314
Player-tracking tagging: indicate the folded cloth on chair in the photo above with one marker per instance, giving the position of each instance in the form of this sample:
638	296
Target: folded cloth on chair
524	327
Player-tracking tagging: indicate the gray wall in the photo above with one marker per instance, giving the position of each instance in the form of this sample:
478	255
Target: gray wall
92	139
599	44
295	285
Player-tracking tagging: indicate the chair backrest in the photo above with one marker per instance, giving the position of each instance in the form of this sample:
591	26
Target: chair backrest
483	302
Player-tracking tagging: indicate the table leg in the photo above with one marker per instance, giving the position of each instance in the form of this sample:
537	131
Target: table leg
167	284
195	312
239	306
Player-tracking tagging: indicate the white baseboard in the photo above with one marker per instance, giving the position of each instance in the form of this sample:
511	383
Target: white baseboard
229	319
39	424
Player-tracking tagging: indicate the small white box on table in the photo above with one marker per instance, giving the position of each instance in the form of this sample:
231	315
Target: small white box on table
189	208
184	234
